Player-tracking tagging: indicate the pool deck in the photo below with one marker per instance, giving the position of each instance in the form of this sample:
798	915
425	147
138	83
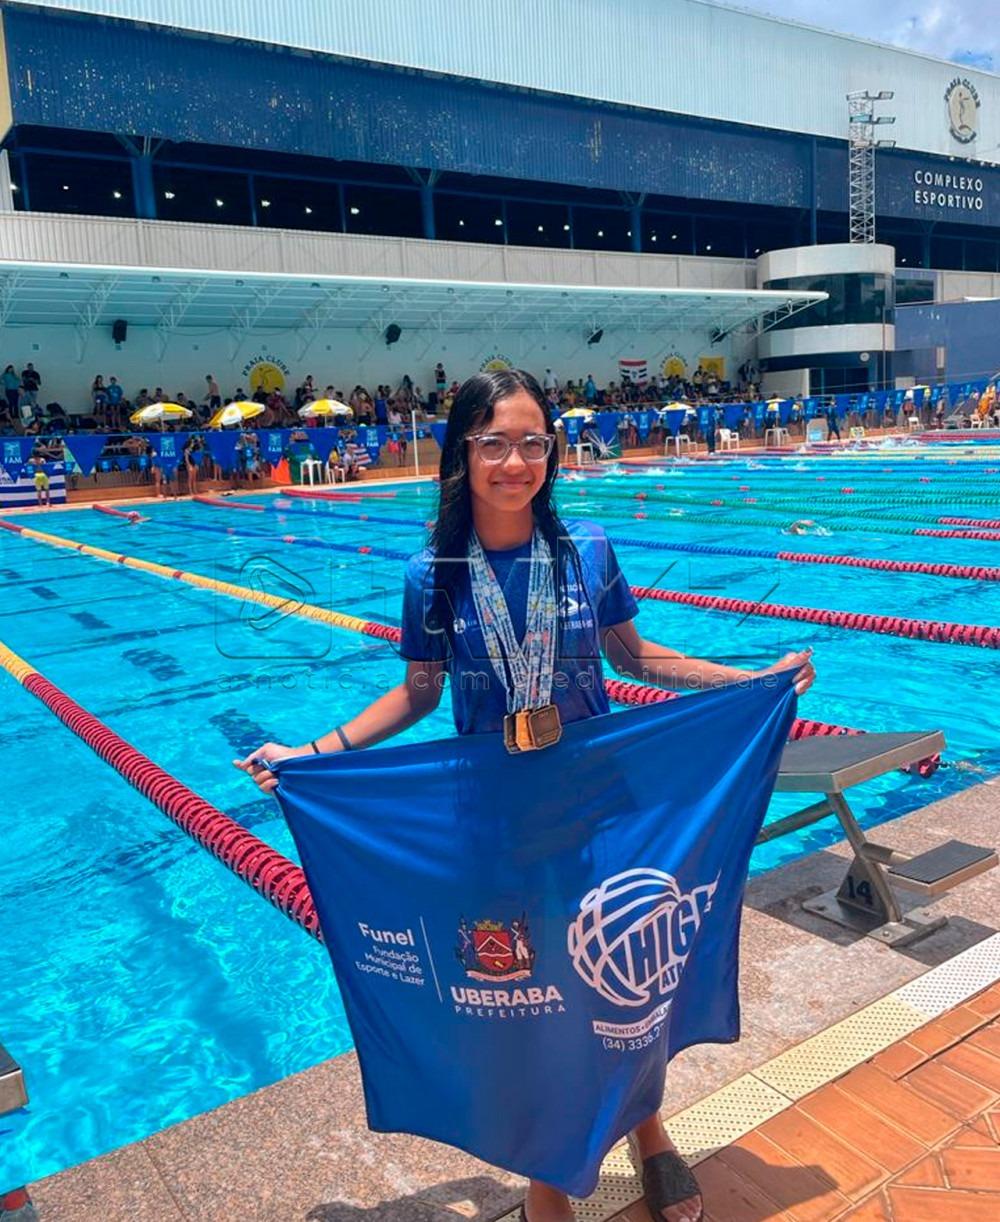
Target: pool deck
910	1131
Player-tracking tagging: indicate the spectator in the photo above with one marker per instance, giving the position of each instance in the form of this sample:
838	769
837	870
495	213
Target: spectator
590	390
213	396
99	399
259	395
115	394
192	462
12	389
30	382
440	379
381	411
550	382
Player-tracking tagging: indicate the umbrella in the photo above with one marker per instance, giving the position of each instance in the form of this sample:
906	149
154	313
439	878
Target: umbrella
325	407
156	413
677	406
578	413
235	413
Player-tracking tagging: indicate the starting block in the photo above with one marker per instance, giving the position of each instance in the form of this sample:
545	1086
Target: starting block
867	900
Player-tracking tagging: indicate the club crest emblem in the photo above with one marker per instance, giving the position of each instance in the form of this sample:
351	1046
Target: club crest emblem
491	950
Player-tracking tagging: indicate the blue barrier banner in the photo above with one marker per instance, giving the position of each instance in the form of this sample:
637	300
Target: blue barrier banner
607	425
168	449
674	420
572	425
936	393
221	445
759	410
810	409
438	429
899	398
273	444
706	420
733	414
643	423
842	405
919	393
519	959
15	452
786	409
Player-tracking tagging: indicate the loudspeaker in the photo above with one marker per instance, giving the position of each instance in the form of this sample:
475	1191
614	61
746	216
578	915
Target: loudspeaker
596	336
392	333
119	330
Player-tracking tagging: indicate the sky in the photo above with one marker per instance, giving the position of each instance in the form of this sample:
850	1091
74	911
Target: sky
962	30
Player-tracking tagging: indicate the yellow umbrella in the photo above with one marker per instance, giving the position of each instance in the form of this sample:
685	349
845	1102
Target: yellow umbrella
325	407
235	413
156	413
577	413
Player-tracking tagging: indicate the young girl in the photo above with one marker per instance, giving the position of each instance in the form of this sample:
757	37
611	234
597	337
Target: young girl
496	526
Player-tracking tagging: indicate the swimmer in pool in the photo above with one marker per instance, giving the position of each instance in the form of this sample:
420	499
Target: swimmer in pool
805	526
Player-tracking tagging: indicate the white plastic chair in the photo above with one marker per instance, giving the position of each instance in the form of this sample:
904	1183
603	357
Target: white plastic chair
729	439
681	440
779	434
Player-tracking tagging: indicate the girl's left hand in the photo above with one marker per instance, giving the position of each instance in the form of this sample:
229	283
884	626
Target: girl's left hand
805	673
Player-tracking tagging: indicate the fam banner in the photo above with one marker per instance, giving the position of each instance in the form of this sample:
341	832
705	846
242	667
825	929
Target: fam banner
519	959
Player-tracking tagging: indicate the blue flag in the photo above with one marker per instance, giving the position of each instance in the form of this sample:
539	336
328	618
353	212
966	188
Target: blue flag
169	450
438	428
519	959
86	449
643	423
573	428
221	445
674	419
273	443
733	414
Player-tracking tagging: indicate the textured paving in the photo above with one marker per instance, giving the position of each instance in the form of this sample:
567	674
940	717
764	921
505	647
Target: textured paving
911	1136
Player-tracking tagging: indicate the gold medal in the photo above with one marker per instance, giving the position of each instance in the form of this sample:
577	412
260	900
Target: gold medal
532	729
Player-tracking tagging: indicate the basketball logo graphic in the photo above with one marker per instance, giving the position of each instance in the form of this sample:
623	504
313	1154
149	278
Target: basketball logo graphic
634	932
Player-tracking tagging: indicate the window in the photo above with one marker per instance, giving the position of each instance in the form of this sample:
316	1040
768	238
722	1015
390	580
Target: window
290	203
601	228
666	233
467	218
530	224
853	299
80	185
392	211
201	195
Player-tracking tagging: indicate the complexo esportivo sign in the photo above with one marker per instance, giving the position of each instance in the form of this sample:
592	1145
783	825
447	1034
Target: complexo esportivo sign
948	191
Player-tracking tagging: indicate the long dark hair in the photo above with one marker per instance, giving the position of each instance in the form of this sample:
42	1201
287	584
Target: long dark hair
472	409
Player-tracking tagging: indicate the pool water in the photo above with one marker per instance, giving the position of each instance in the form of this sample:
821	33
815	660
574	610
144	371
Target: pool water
143	983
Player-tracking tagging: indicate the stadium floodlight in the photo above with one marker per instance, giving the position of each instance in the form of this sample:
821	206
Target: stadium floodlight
862	143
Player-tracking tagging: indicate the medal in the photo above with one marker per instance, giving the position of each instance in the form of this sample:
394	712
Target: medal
525	669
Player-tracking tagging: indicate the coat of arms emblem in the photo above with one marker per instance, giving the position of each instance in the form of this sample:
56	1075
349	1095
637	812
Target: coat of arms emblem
491	950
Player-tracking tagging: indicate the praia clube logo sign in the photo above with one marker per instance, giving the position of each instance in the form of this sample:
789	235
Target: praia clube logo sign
265	371
962	101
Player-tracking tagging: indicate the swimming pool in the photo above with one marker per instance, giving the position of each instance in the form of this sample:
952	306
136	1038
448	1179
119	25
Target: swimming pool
143	983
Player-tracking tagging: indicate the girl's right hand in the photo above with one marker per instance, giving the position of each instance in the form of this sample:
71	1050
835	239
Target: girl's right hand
271	752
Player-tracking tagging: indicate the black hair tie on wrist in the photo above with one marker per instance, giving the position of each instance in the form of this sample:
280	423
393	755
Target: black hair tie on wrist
345	741
316	750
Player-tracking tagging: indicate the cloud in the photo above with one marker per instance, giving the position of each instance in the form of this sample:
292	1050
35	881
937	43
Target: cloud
965	31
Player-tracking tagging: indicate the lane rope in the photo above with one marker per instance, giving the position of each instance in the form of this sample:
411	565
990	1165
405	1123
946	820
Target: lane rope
280	881
618	690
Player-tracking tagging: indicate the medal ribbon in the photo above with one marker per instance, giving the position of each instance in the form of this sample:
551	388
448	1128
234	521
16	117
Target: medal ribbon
526	670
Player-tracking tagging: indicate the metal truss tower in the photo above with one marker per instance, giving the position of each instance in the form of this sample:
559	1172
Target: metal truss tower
862	144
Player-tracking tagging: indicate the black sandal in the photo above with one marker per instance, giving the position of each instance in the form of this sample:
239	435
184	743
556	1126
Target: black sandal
666	1181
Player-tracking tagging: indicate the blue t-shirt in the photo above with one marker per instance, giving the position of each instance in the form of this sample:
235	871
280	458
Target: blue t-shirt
479	701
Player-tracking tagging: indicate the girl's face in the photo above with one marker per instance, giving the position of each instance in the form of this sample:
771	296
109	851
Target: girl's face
511	485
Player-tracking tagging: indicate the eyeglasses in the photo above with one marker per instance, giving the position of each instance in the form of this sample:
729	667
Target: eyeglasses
495	448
